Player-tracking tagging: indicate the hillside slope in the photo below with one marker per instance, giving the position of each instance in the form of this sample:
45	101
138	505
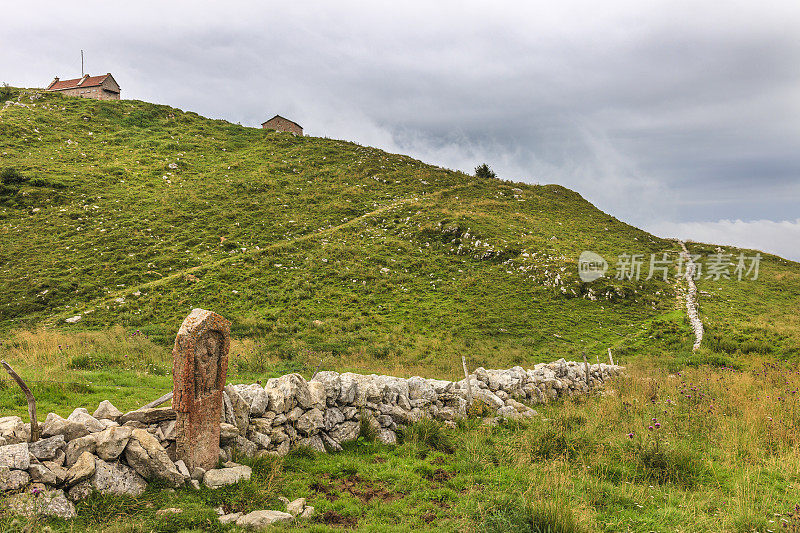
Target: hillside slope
133	213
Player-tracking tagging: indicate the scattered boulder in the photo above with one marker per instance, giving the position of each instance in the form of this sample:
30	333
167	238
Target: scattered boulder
82	416
111	442
13	430
146	455
117	478
82	469
262	519
148	416
296	507
107	411
229	518
15	456
13	479
51	502
220	477
69	429
47	449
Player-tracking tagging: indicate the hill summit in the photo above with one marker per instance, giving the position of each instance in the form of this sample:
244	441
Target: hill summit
131	213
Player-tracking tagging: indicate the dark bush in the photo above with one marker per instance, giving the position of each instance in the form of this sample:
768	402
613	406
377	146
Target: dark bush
484	171
11	176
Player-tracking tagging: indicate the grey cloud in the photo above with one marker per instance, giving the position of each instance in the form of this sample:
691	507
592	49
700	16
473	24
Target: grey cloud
658	112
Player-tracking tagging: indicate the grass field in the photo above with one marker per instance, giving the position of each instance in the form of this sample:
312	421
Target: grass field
327	255
723	455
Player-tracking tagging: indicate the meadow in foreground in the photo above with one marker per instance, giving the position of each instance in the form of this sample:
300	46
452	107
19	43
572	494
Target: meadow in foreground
697	449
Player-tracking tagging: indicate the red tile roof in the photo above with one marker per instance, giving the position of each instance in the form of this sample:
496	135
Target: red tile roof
89	81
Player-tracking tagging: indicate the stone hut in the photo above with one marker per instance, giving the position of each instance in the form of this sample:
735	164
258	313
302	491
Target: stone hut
278	123
102	87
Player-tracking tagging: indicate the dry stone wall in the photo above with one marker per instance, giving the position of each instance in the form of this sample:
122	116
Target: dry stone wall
119	453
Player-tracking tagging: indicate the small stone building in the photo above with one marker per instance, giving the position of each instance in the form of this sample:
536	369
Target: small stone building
278	123
102	87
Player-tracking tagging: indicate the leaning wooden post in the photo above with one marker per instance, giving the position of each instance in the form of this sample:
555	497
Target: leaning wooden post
469	384
31	401
610	358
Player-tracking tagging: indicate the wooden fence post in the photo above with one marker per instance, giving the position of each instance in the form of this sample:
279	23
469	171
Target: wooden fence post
31	401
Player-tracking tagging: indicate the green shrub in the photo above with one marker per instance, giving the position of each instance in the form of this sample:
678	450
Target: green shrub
515	514
430	434
484	171
11	176
670	465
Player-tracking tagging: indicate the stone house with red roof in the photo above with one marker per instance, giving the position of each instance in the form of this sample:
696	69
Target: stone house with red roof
278	123
103	87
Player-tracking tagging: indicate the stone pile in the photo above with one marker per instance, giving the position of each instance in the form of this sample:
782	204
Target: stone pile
119	453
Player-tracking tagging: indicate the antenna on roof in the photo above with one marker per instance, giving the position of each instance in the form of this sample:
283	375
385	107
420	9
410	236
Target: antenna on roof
81	63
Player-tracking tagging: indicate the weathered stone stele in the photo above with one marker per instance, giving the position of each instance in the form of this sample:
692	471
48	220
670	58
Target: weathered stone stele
200	367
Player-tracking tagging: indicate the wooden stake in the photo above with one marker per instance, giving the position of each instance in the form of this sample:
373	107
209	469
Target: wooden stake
159	401
469	384
610	359
31	401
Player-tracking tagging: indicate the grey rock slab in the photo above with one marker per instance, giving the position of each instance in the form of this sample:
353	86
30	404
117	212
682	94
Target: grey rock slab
228	431
13	430
111	442
82	416
314	443
220	477
56	425
262	519
329	442
260	403
47	449
332	417
386	436
57	470
76	447
295	507
46	503
229	518
318	395
41	474
82	469
241	409
13	479
117	478
310	422
346	431
15	456
146	455
149	416
106	411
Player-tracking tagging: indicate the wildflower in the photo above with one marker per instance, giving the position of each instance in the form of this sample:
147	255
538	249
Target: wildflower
630	435
658	425
650	428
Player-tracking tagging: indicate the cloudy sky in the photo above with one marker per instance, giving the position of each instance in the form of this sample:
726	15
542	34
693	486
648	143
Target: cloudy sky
679	117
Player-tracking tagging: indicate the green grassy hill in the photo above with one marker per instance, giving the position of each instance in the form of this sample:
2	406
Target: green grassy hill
129	213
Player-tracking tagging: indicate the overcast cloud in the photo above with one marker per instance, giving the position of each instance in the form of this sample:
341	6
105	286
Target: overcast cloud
674	116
